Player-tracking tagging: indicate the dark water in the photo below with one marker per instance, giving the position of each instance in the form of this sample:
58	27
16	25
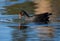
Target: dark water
10	31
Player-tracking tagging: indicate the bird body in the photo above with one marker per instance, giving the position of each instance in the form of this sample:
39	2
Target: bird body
42	18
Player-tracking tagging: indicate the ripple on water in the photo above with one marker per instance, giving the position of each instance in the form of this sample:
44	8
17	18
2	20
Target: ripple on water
32	33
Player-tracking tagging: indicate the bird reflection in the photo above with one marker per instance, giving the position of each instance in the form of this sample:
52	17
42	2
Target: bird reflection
36	33
22	27
19	34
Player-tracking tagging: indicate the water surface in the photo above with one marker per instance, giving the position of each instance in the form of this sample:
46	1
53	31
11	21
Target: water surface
10	31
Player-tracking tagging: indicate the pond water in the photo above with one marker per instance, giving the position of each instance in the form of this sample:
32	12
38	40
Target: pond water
31	32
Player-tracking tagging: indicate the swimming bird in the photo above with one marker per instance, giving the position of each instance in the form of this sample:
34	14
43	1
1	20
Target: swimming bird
42	18
23	13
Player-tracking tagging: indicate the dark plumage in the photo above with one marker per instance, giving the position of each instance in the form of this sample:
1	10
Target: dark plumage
42	18
39	18
25	13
